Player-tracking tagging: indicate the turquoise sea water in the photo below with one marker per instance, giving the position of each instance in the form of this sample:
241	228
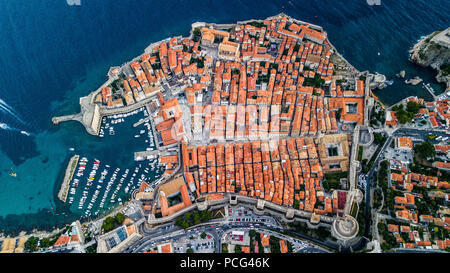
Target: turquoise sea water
51	53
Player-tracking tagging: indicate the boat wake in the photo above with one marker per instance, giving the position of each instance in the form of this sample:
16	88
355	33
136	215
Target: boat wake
5	108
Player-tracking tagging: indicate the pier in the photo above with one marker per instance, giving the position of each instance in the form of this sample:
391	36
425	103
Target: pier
428	88
144	154
70	170
76	117
89	115
141	121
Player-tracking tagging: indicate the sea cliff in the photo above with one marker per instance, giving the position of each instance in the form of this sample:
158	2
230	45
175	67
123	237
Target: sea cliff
434	51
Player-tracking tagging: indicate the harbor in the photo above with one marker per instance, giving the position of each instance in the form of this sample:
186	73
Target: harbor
430	90
93	186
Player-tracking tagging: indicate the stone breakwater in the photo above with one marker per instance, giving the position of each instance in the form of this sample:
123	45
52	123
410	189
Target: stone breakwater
70	170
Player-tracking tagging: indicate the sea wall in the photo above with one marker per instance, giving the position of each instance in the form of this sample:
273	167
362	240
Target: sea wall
70	170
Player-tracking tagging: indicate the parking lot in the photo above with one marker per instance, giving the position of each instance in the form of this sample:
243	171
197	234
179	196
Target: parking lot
240	236
190	240
243	214
194	241
398	154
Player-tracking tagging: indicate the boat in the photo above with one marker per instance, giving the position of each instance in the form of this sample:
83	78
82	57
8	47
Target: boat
13	174
71	149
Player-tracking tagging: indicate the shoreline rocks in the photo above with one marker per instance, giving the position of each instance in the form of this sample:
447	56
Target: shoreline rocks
434	51
414	81
378	81
402	74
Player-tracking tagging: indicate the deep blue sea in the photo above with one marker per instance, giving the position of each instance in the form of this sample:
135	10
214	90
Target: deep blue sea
51	53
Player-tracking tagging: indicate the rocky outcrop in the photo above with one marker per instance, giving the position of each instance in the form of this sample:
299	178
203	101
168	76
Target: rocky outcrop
434	51
377	81
414	81
402	74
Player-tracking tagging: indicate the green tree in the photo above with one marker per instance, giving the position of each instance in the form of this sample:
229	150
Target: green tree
187	216
108	224
92	249
289	246
404	116
197	219
378	138
120	217
224	248
184	224
179	221
424	150
31	244
203	235
412	107
205	215
197	31
237	249
45	242
189	250
338	114
274	245
197	34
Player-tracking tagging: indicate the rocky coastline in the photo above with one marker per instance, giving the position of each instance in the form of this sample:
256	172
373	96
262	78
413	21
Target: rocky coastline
434	51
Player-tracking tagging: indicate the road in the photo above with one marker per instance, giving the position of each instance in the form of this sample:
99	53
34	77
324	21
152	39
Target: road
419	133
370	182
240	217
217	231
